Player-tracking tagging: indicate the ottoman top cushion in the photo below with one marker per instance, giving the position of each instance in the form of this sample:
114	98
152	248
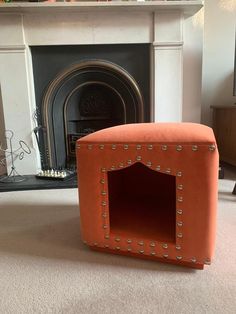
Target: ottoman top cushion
153	133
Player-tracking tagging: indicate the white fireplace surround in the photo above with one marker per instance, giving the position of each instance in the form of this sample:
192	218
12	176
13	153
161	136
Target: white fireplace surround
169	26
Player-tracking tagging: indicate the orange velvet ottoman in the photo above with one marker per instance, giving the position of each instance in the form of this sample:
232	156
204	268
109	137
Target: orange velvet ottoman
150	190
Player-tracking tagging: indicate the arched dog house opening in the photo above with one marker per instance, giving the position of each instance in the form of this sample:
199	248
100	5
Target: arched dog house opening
142	203
84	98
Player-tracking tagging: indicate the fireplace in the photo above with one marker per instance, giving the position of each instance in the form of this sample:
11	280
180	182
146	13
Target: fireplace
162	36
86	89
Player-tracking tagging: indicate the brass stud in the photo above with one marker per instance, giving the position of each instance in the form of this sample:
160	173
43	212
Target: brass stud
121	165
212	147
106	246
178	247
78	146
153	253
107	237
152	244
150	147
207	262
141	251
104	226
101	146
113	146
129	241
193	260
129	162
95	244
180	187
165	246
129	249
180	199
179	223
194	148
113	167
149	164
180	235
165	255
117	239
102	181
179	211
117	248
103	193
138	147
168	170
90	146
104	203
158	168
179	174
164	147
140	243
179	148
104	215
126	146
103	169
179	257
138	158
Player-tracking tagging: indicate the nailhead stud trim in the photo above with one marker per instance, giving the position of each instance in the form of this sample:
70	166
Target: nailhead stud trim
129	241
164	147
178	247
180	199
152	244
158	168
179	174
165	255
138	147
207	262
165	246
150	147
102	181
179	257
180	187
194	148
180	235
138	158
126	146
179	211
212	147
179	148
101	146
193	260
113	146
90	146
179	223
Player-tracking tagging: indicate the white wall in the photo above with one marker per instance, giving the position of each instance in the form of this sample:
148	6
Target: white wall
218	56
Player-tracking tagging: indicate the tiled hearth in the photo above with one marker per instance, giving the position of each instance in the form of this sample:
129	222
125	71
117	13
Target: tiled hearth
168	27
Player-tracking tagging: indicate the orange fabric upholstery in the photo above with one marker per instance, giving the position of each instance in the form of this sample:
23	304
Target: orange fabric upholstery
150	190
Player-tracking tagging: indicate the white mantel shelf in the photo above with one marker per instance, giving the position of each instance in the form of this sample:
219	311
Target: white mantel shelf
189	6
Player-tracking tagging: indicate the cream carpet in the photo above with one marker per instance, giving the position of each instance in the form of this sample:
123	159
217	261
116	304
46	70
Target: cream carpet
45	268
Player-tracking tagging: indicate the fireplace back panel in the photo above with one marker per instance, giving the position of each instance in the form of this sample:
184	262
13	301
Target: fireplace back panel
49	61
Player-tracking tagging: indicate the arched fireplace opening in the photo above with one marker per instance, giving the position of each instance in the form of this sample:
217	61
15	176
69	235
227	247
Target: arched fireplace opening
84	98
